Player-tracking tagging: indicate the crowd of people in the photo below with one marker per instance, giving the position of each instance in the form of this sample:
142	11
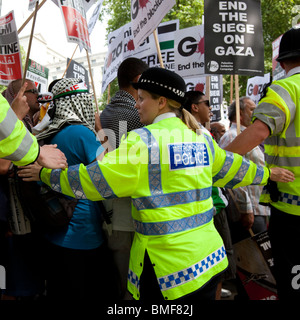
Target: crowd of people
153	220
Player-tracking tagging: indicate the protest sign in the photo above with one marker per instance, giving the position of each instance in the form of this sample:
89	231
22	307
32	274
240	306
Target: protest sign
189	51
95	16
256	85
195	84
215	92
146	16
121	46
10	56
233	37
31	5
76	70
216	96
38	74
254	262
75	22
278	72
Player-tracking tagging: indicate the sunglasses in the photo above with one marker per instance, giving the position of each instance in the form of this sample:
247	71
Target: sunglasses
204	101
34	91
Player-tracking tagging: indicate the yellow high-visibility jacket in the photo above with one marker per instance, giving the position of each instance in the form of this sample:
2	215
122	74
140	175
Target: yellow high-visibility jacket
280	110
16	142
168	171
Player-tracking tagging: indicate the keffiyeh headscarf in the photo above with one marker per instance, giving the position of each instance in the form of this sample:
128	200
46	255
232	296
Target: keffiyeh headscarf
72	104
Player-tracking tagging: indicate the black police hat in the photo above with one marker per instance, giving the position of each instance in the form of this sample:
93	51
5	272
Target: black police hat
163	82
289	44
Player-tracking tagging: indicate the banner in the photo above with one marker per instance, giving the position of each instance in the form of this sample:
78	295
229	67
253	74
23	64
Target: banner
233	37
87	4
146	16
256	85
38	74
121	46
76	70
278	72
75	22
10	55
95	16
189	51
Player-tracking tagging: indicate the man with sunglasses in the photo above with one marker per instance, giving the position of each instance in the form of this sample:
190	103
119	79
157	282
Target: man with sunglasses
198	105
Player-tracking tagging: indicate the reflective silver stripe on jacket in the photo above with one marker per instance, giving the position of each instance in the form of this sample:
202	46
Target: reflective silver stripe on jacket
211	144
171	199
282	142
283	161
8	124
154	170
22	149
7	127
173	226
73	178
226	167
99	181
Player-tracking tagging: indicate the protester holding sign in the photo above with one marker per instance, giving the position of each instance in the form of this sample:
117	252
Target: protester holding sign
176	250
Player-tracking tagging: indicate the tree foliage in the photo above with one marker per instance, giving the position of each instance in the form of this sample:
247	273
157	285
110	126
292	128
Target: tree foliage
277	17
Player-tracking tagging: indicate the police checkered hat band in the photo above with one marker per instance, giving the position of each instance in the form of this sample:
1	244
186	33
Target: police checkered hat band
163	82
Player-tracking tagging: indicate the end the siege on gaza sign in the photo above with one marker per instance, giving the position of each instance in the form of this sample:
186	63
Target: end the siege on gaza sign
233	37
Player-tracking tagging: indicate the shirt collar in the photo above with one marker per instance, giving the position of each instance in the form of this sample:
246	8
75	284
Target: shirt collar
164	116
293	71
233	126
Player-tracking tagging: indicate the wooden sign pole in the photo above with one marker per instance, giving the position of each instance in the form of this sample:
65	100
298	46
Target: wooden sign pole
30	42
237	104
91	75
70	61
158	49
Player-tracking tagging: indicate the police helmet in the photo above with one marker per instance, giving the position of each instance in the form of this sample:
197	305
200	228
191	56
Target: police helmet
290	44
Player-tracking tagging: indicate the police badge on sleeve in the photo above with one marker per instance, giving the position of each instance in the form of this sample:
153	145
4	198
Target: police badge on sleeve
187	155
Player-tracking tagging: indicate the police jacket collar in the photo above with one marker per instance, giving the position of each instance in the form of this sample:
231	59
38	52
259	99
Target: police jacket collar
293	71
164	116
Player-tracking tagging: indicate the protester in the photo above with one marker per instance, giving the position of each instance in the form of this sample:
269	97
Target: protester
197	103
24	272
118	118
246	212
17	144
176	251
275	120
79	247
217	129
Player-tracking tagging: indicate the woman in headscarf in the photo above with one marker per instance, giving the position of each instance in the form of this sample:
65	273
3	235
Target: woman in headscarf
77	251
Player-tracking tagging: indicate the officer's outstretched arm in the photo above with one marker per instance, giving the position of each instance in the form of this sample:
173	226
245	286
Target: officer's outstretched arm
115	176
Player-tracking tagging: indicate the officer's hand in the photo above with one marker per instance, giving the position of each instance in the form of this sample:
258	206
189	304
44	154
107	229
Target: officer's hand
51	157
30	172
281	175
20	105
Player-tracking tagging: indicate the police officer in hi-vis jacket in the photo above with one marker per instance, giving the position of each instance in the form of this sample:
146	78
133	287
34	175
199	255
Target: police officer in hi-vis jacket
167	168
16	142
277	121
